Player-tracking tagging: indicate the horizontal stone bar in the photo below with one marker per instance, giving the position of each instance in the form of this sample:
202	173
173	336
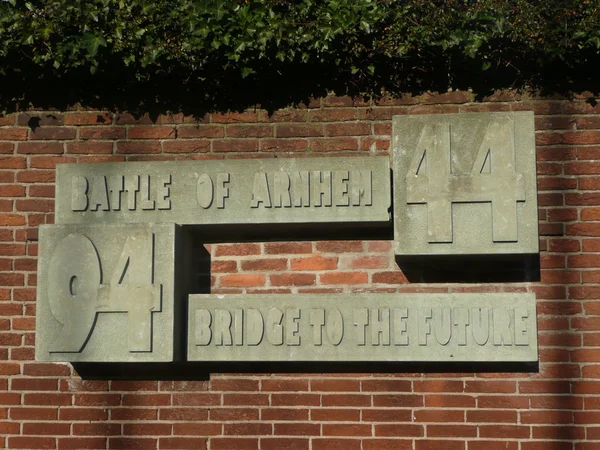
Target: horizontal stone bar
494	327
260	191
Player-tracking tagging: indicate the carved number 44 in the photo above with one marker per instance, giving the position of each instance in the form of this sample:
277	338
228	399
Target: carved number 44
492	179
76	293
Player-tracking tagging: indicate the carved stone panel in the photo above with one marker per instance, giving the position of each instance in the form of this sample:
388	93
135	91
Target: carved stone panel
494	327
465	184
106	293
261	191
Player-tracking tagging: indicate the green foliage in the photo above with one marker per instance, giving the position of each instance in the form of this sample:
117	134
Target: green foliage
219	54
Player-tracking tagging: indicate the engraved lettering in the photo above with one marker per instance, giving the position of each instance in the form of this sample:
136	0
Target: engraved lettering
204	191
79	190
380	326
132	186
301	188
502	331
400	316
222	190
203	334
281	190
431	180
292	315
317	320
424	325
99	197
260	191
223	327
442	325
254	327
163	191
335	326
480	318
146	203
461	321
361	187
521	331
116	184
321	188
340	188
238	327
274	327
361	320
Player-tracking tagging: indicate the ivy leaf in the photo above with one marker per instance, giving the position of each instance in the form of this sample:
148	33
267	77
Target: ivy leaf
93	42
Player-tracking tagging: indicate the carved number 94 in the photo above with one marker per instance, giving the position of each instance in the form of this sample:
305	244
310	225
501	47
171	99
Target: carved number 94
77	293
430	180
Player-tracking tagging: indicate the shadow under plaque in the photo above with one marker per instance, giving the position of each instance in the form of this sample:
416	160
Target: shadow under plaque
470	268
199	371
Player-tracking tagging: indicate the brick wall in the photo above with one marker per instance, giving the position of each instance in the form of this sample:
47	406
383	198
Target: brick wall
49	406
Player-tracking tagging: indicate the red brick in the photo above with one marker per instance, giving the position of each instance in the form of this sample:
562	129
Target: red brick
177	443
233	444
97	399
195	146
139	147
233	414
335	444
386	444
13	134
201	132
97	429
31	442
158	132
237	249
52	133
94	148
81	443
246	399
334	144
201	399
493	445
277	248
79	413
142	399
293	279
131	443
284	385
295	399
345	278
102	133
284	414
284	444
265	264
339	246
235	145
242	280
451	430
299	130
437	444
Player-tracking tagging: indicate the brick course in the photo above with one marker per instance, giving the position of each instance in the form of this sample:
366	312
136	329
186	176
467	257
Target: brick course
48	406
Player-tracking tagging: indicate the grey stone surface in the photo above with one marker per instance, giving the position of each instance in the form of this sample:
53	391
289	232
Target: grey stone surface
107	293
261	191
465	184
495	327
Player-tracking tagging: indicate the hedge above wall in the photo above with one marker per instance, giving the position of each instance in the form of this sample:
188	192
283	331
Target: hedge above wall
228	54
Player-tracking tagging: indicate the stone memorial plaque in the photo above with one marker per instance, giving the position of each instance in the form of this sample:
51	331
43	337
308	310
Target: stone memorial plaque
498	327
107	293
465	184
302	190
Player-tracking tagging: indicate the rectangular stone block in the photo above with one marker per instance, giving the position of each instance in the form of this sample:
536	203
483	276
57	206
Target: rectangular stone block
261	191
465	184
498	327
107	293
